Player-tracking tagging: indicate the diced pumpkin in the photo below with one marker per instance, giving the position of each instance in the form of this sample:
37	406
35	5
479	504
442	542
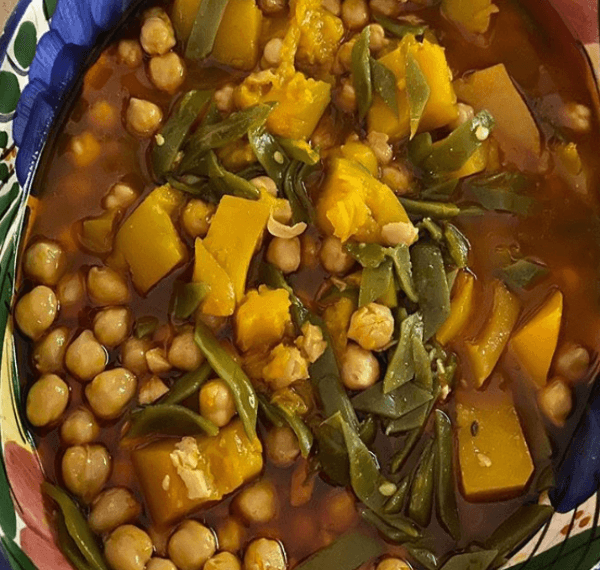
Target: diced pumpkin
495	462
262	318
173	487
148	242
461	309
515	131
220	299
361	153
477	163
441	109
320	35
234	234
354	204
472	15
237	41
337	320
485	351
534	344
183	17
301	101
569	156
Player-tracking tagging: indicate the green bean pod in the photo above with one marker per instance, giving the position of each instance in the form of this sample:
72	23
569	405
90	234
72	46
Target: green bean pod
168	419
361	72
205	28
422	492
187	385
395	504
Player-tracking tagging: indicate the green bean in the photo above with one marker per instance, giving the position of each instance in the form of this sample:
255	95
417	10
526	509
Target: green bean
499	200
334	293
270	154
419	148
346	553
145	326
392	405
253	171
523	274
432	287
77	527
209	137
388	531
517	528
479	560
234	185
431	228
198	187
299	213
370	255
232	374
545	480
423	556
187	385
68	546
270	411
331	452
368	430
457	244
273	277
409	421
398	29
400	255
300	150
422	491
385	84
422	364
186	298
440	191
509	181
395	504
375	283
401	369
168	419
177	129
447	508
417	91
279	415
205	27
436	210
361	72
409	443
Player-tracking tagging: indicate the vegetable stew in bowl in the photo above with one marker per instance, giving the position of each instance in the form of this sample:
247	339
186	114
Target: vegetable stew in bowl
313	285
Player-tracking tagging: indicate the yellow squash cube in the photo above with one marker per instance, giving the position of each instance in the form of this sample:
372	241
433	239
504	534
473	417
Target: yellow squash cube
472	15
361	153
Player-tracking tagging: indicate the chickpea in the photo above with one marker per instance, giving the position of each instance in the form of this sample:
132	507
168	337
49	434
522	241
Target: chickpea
70	289
380	147
35	312
339	511
398	178
133	355
333	6
160	564
152	390
156	359
282	446
572	361
223	561
272	52
378	41
45	262
196	217
85	357
110	392
390	8
217	403
310	250
334	258
285	254
191	545
184	353
143	117
167	72
355	14
130	53
360	369
112	508
107	287
556	401
128	548
302	484
112	325
577	117
231	535
49	352
465	113
79	428
264	553
257	503
120	196
103	115
272	6
372	326
157	36
343	58
393	564
47	400
85	470
346	97
224	98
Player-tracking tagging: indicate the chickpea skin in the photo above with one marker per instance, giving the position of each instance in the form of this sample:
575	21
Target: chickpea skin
282	446
45	262
360	369
85	357
157	36
264	553
223	561
372	326
257	503
217	403
120	196
128	548
191	545
133	355
112	325
49	352
160	564
334	258
107	287
47	400
35	312
112	508
355	14
167	72
79	428
285	253
130	53
556	401
85	470
184	353
572	361
110	392
143	117
196	217
71	289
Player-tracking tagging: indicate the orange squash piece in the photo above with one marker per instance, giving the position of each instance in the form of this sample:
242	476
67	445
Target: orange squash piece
461	309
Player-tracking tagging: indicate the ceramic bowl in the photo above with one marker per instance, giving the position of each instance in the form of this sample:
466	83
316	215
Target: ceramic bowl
44	49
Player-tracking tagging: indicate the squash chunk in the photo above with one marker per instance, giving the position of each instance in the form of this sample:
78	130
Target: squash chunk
233	237
183	16
495	462
354	204
472	15
485	351
148	242
516	131
321	33
441	109
460	309
534	344
300	101
361	153
220	300
262	318
237	40
179	476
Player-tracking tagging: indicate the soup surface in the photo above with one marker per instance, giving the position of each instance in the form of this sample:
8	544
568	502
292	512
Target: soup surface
313	286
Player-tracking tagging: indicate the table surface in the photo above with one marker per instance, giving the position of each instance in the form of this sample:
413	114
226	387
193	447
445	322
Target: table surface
6	7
